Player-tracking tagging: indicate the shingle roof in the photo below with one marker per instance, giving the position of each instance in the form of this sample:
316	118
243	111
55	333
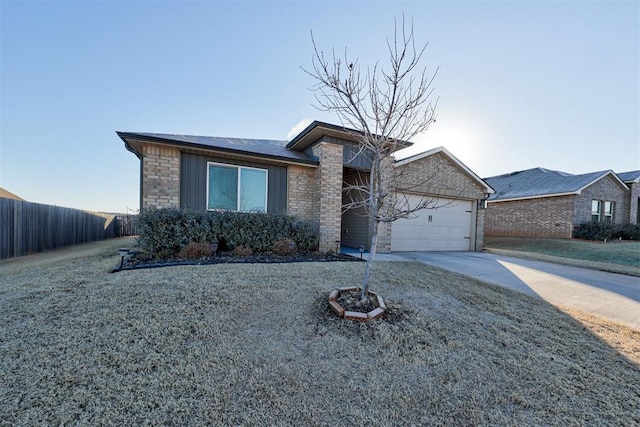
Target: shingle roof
629	176
273	149
539	182
9	195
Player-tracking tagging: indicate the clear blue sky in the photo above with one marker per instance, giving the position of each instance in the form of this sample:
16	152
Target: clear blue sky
521	84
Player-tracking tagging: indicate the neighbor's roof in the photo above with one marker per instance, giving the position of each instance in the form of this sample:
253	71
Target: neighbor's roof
539	182
631	176
9	195
265	148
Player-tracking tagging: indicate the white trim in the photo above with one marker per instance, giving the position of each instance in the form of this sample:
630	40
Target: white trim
419	156
238	168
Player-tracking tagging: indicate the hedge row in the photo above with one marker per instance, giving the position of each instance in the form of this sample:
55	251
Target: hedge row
166	231
607	231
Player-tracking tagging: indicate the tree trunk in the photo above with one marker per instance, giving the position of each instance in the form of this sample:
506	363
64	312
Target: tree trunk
370	259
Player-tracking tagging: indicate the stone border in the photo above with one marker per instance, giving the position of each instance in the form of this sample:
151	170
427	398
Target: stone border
357	316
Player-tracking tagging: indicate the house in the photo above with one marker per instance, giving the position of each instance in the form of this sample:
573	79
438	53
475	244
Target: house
305	177
9	195
632	180
545	203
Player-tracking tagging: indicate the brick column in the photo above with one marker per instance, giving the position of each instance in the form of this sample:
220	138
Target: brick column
160	176
480	213
390	183
328	184
634	201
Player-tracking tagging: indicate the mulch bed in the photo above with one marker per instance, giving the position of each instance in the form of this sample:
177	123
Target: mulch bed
139	260
350	301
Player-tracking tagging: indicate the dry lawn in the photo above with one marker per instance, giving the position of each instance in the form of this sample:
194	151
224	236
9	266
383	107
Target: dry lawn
256	345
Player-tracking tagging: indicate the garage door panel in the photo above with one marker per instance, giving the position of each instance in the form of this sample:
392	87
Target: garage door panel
447	228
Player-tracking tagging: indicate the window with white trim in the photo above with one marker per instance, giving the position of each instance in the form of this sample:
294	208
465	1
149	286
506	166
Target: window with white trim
236	188
608	211
595	210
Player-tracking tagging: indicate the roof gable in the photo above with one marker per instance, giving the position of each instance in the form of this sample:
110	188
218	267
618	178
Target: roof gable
540	182
454	159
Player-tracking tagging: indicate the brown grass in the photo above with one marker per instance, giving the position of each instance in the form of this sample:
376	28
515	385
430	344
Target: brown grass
256	345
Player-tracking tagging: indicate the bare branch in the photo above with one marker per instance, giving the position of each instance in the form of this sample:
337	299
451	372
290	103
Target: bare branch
386	107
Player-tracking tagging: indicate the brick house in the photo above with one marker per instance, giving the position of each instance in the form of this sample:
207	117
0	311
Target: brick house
305	177
544	203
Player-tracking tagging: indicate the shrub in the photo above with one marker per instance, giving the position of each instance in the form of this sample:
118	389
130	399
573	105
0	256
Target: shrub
196	250
606	230
242	251
169	230
284	247
628	232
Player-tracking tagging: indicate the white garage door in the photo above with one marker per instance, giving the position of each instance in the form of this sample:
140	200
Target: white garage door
447	228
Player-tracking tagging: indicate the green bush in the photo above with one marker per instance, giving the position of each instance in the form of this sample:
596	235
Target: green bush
628	232
169	230
606	231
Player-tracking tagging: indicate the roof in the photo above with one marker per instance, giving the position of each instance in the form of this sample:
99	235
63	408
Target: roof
265	148
480	181
9	195
629	177
317	129
539	182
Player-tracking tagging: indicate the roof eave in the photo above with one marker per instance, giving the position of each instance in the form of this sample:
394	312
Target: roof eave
125	136
317	130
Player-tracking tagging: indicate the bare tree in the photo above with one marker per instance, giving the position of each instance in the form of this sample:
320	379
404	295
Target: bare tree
388	107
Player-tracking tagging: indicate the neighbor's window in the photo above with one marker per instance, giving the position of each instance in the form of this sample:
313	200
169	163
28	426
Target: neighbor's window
595	210
608	211
236	188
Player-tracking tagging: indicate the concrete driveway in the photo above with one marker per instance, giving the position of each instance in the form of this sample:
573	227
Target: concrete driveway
608	295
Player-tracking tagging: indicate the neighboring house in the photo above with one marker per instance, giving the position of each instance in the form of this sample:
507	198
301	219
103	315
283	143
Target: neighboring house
9	195
544	203
632	180
305	177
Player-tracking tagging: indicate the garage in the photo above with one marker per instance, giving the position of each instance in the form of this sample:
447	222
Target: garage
449	227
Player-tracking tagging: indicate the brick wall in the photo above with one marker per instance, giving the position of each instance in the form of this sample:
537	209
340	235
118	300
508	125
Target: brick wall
328	193
160	176
440	176
544	217
300	193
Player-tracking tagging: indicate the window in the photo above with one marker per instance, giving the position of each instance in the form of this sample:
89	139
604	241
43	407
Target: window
608	211
236	188
595	210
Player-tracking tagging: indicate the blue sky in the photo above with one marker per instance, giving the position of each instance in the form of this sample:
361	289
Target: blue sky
554	84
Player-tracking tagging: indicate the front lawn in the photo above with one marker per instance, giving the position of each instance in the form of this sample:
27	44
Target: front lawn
615	256
242	344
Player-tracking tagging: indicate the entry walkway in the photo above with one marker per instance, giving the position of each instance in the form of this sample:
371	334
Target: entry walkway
611	296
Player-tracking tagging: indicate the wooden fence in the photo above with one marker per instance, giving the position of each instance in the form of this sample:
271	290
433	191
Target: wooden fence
27	227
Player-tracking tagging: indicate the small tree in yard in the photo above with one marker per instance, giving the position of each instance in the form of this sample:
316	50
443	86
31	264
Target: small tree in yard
388	107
